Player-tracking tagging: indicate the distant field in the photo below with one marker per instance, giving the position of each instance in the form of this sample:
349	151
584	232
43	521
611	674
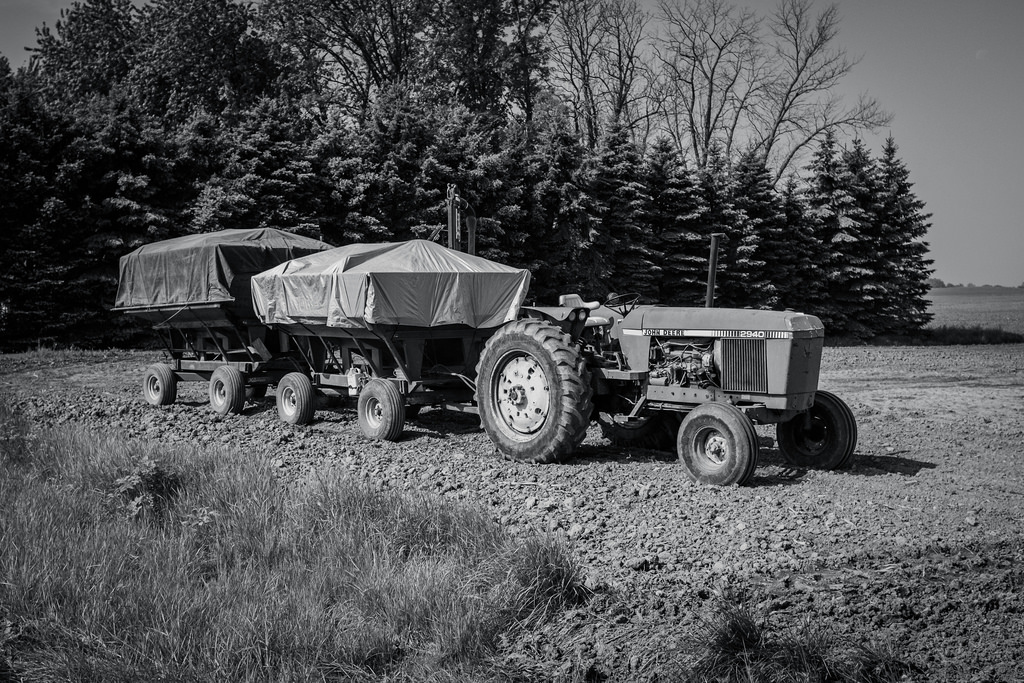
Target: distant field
1001	307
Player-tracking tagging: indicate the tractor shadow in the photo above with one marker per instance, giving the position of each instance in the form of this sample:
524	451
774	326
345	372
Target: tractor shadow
866	465
774	465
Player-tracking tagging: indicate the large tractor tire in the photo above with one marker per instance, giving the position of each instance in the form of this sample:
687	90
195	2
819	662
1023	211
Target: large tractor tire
824	438
227	390
381	409
534	394
657	432
296	399
717	445
160	385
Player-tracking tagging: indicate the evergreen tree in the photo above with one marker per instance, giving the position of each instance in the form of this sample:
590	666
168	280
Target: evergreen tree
905	226
628	261
268	176
678	235
720	216
872	281
763	257
559	209
838	223
801	289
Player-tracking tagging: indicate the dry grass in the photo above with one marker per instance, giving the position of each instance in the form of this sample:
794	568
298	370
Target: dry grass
733	645
126	561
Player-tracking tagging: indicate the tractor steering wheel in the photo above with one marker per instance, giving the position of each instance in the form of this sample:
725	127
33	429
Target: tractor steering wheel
622	303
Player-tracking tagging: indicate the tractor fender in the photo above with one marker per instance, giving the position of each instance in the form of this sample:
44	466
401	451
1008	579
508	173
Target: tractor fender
570	320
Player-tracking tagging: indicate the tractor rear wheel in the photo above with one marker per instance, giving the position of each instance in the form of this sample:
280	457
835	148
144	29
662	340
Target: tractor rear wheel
296	400
533	390
717	445
824	438
227	390
160	385
381	409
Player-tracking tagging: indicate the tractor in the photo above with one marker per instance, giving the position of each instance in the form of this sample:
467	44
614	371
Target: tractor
692	380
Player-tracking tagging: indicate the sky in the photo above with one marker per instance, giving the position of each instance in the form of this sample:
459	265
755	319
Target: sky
950	71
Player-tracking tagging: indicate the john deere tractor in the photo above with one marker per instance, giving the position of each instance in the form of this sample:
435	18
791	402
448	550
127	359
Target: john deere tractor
692	380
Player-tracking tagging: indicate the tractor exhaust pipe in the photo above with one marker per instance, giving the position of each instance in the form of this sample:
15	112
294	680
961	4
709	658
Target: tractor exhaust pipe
709	300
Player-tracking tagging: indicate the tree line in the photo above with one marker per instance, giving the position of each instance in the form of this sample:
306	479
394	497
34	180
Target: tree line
599	145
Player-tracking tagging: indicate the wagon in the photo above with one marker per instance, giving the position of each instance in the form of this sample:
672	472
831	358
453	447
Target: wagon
396	325
194	291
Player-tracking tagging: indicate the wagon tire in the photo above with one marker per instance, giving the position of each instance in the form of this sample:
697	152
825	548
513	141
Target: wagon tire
824	438
296	399
381	410
227	390
160	385
717	445
533	392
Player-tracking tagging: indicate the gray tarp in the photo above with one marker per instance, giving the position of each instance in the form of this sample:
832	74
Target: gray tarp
207	268
415	283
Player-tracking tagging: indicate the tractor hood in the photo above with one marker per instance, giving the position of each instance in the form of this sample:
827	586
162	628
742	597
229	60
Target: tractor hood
658	321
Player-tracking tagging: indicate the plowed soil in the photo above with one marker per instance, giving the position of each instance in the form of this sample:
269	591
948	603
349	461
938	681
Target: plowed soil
917	545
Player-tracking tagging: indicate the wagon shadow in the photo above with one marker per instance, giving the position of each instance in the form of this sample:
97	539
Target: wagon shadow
439	424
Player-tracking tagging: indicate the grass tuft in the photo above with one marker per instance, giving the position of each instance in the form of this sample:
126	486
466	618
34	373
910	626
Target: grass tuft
733	645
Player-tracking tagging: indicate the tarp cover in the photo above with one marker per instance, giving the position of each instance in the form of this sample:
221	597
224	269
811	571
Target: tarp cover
211	267
415	283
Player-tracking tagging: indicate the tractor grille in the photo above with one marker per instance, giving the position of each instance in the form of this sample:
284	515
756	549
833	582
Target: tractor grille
745	365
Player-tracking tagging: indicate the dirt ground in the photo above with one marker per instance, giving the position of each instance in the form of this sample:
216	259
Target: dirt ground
917	546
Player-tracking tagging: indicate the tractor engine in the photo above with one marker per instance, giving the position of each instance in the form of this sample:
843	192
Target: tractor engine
683	362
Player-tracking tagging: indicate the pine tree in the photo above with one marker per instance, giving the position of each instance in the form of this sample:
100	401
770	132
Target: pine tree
268	176
678	235
624	243
874	281
720	216
839	224
801	289
764	257
906	225
561	209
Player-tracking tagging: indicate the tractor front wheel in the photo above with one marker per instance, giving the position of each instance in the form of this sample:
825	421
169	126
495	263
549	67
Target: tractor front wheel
825	437
227	390
533	391
717	445
296	400
160	385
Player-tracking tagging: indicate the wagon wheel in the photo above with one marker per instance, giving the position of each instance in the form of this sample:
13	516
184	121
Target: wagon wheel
227	390
533	392
825	437
381	410
160	385
717	445
296	399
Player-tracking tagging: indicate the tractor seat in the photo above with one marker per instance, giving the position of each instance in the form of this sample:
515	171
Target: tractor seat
576	301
